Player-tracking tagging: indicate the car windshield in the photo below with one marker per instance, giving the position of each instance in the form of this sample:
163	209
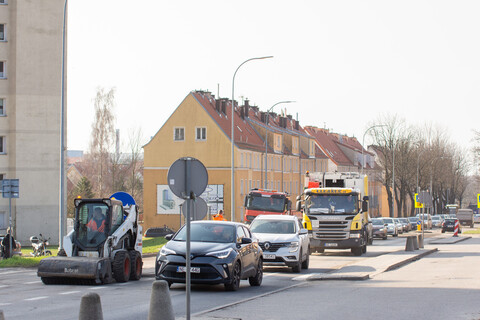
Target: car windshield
405	220
377	222
435	218
263	202
272	226
332	203
388	220
413	219
208	232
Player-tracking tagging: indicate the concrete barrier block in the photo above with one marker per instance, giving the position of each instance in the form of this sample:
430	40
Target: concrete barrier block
90	307
160	303
420	241
409	245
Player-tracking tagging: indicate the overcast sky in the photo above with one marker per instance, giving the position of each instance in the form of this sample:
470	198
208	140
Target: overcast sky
346	63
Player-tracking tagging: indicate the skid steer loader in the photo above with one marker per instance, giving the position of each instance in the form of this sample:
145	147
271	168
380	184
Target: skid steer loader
90	255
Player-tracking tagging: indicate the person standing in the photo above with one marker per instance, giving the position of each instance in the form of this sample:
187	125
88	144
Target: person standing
219	216
8	244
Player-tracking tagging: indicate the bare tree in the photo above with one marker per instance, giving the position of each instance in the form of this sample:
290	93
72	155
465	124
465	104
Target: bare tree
102	138
134	178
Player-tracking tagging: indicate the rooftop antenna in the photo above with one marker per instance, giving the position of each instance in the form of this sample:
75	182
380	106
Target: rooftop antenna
218	90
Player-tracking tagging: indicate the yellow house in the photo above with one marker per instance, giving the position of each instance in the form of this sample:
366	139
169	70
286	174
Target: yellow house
200	127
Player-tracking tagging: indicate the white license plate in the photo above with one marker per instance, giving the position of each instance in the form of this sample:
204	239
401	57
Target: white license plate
268	256
331	244
192	269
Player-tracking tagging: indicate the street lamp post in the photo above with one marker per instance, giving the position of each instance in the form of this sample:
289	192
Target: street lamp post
62	138
363	142
232	199
266	140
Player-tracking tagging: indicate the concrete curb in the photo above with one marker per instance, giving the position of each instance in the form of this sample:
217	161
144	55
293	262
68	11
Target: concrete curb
407	261
359	276
451	240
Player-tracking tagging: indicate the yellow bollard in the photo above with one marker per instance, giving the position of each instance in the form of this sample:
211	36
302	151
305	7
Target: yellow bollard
419	226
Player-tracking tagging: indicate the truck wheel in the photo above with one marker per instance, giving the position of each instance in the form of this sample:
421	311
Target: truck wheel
121	266
357	251
136	267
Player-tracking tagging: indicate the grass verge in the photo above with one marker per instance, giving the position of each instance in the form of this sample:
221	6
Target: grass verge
476	231
150	245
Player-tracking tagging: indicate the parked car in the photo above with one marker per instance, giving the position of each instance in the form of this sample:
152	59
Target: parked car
406	225
449	225
221	253
413	222
392	228
427	220
465	216
379	228
476	218
437	221
399	225
283	240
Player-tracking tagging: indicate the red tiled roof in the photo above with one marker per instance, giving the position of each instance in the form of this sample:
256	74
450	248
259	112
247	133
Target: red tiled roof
328	144
245	134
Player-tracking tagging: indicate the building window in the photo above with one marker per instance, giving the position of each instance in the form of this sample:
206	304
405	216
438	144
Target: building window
2	32
3	72
2	145
3	2
201	134
241	186
2	107
179	134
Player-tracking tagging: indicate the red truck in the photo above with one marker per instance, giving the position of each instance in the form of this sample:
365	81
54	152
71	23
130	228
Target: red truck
262	201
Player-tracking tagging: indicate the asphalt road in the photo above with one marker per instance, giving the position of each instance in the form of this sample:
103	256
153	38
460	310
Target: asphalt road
25	296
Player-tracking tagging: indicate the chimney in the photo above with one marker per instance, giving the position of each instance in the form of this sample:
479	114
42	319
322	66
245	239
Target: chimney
242	112
289	116
224	106
217	105
247	107
297	126
283	122
263	117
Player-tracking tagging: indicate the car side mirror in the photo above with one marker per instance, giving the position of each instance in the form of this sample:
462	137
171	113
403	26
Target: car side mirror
168	237
246	240
303	231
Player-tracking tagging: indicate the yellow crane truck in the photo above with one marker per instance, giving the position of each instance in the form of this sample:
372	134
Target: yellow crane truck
335	211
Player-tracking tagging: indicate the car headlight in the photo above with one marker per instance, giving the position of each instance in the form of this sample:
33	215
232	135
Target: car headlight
293	246
165	252
355	235
220	254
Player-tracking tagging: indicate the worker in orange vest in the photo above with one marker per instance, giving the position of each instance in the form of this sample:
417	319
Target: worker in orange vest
97	223
219	216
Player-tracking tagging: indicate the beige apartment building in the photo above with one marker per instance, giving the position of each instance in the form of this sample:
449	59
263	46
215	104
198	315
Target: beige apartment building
30	114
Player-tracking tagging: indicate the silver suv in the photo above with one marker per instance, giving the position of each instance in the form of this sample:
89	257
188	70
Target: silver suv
283	240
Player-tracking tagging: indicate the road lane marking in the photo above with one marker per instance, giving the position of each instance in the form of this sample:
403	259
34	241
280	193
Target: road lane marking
32	282
36	298
70	292
9	272
247	299
97	288
5	304
4	286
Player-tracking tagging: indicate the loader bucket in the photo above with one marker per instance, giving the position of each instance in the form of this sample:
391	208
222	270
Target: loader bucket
80	270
